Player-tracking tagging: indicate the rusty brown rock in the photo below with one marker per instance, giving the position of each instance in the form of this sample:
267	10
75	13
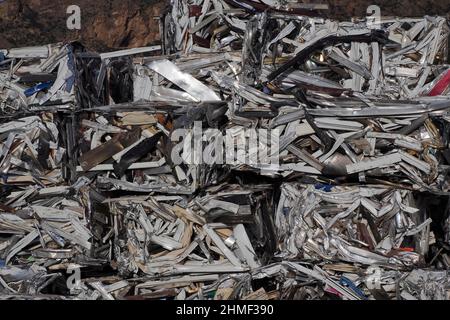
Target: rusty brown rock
104	24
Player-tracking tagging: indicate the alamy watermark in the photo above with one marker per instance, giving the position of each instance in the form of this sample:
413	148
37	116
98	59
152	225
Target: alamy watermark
373	17
234	146
74	20
73	282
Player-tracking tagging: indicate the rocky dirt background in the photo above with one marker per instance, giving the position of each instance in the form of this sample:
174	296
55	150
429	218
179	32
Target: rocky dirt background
113	24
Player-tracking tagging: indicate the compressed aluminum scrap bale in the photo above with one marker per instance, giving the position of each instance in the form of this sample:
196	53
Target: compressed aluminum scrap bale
404	61
396	142
32	151
37	78
43	230
364	225
208	235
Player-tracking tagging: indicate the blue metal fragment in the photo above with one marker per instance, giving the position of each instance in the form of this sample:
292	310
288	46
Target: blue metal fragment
42	86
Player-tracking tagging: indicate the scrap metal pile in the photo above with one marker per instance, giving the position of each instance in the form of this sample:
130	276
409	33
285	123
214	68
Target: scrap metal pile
118	180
